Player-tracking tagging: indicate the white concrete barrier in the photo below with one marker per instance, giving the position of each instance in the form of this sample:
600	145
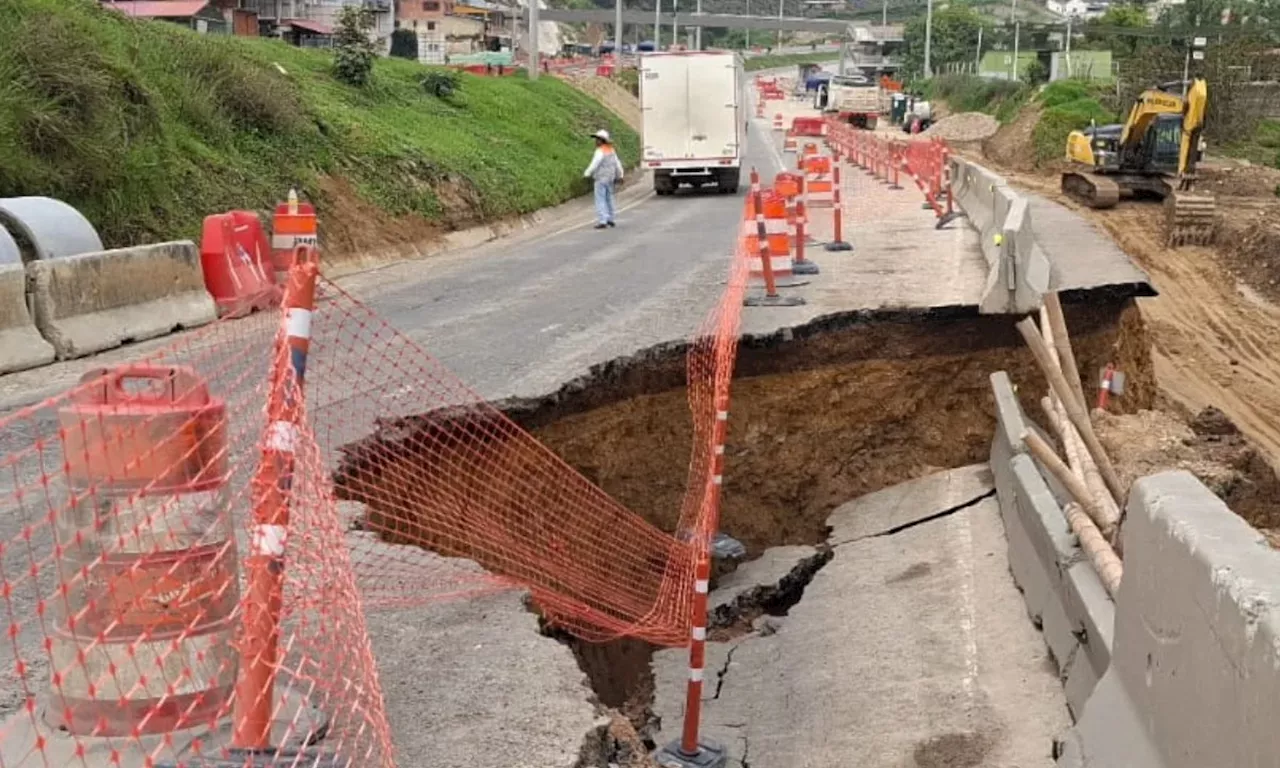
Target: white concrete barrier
1063	594
1018	271
95	301
21	345
1194	679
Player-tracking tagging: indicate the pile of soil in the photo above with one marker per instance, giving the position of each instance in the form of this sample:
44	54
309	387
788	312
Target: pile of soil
1209	447
1011	146
1237	179
966	126
1252	254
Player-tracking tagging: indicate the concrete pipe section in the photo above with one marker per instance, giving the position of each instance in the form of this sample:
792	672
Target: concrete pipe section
50	228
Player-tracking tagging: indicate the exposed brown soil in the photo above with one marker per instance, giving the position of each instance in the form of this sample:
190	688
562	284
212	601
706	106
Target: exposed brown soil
1209	446
823	419
1226	178
1252	253
613	96
352	229
1011	146
621	676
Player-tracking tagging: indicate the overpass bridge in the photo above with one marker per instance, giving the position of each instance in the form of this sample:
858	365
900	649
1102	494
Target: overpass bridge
857	31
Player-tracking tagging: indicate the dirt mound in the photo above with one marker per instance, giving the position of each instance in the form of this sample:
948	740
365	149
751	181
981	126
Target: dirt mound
966	126
1209	447
1235	179
1011	146
1253	255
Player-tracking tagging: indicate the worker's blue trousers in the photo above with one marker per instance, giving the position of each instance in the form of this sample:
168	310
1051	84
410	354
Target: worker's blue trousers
604	202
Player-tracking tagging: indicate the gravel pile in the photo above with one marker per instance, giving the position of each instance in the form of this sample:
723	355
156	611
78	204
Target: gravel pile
966	126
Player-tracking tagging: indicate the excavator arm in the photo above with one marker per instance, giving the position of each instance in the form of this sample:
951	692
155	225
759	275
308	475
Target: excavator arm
1192	123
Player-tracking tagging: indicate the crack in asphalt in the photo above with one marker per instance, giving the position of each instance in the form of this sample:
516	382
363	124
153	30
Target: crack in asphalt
921	520
728	659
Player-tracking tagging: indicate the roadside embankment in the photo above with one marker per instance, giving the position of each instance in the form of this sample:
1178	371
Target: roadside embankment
146	128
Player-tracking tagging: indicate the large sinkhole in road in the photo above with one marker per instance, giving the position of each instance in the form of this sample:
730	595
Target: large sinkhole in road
820	414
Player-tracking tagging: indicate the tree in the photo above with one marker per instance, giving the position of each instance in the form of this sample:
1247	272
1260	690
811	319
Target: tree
353	50
955	38
404	44
1035	72
1108	31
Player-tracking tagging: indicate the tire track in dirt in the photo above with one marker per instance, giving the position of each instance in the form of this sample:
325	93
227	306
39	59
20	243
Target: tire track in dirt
1211	344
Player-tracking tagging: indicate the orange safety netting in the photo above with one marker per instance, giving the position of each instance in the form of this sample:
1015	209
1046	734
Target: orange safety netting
125	525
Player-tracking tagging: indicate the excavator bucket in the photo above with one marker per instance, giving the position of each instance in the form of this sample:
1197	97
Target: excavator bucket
1190	219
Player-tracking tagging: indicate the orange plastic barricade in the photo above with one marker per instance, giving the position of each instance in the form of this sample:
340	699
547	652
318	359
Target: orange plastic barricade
776	236
294	225
236	262
768	259
152	541
808	126
819	187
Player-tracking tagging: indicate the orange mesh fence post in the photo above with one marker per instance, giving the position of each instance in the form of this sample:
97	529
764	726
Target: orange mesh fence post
838	242
255	688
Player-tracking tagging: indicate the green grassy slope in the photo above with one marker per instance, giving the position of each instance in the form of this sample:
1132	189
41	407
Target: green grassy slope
147	127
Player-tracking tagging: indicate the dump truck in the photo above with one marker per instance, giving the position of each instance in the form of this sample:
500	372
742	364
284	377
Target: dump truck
856	100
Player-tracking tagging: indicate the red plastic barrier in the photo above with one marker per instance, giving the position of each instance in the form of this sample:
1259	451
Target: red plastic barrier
236	260
809	126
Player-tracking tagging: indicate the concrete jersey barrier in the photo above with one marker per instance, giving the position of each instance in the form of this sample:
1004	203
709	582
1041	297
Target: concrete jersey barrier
95	301
1195	674
1063	594
1182	670
21	345
1018	271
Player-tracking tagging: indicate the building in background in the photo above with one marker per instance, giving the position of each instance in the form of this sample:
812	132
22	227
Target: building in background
311	22
1082	64
203	16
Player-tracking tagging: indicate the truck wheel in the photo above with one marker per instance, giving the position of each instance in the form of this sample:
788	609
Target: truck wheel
727	183
663	184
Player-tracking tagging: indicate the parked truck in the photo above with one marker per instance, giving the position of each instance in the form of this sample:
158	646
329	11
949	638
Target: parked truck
856	99
694	119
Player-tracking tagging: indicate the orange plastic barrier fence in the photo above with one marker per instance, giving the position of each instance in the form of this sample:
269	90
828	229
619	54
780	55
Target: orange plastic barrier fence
925	160
135	499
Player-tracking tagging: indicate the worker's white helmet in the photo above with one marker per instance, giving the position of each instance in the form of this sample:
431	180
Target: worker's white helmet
602	135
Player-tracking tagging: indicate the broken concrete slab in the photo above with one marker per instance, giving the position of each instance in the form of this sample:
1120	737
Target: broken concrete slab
911	502
868	671
453	670
767	570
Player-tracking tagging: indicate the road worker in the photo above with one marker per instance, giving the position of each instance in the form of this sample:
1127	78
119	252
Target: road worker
606	171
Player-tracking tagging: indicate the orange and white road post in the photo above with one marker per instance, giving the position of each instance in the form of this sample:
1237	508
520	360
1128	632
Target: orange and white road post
691	751
838	243
271	487
801	265
771	298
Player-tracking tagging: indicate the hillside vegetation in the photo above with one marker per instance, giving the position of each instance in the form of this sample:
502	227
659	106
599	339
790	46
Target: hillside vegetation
1036	120
147	127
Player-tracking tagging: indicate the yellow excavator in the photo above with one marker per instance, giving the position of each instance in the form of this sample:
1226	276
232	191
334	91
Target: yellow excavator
1153	154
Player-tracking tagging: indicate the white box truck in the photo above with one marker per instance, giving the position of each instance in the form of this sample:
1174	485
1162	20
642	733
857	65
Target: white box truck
694	119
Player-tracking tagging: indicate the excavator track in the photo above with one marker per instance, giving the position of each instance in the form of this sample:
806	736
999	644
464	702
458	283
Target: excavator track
1190	219
1088	189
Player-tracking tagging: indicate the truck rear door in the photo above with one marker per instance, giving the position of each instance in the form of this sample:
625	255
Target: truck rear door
712	91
